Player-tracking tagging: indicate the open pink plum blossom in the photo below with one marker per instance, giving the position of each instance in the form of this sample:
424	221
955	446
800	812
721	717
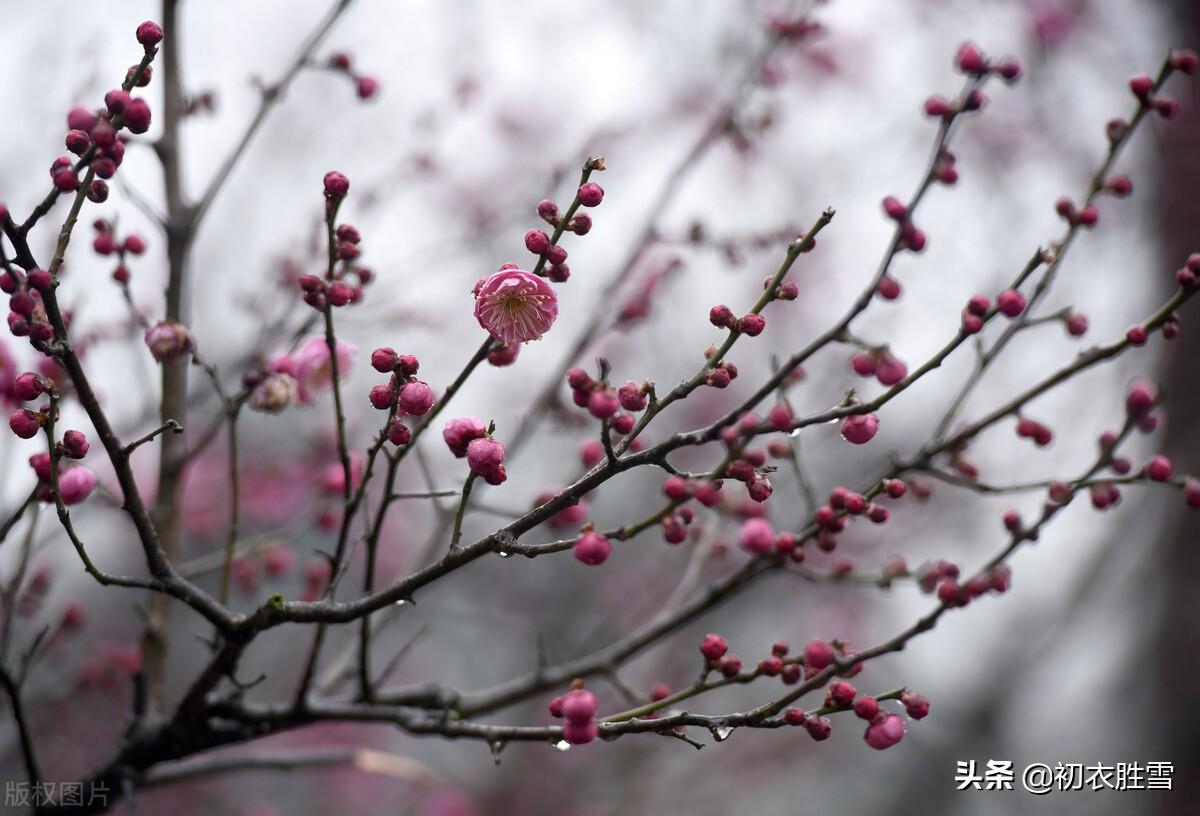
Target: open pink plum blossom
515	306
311	368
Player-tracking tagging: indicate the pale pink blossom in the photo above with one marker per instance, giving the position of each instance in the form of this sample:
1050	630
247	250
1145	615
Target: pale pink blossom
311	367
515	306
75	484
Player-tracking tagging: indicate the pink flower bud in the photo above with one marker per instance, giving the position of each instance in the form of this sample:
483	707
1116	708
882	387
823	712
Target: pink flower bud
485	457
721	317
382	397
757	537
895	209
890	370
819	728
274	393
1010	302
24	423
603	404
28	386
580	733
366	87
591	548
75	444
884	732
818	654
631	397
384	360
938	107
1184	60
81	118
398	433
916	705
888	288
459	433
751	325
415	398
713	647
75	484
969	60
866	707
137	115
547	210
503	355
591	194
580	224
579	706
858	429
168	341
149	34
1141	85
1159	468
336	185
537	241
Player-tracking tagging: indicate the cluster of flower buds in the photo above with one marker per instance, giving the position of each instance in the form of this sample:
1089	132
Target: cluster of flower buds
778	665
95	136
402	393
975	313
27	314
553	256
606	403
347	278
365	86
748	466
971	61
945	169
792	28
578	708
1187	274
911	237
954	594
1032	429
75	482
721	374
470	438
842	505
1146	91
881	364
715	651
107	243
1085	216
750	324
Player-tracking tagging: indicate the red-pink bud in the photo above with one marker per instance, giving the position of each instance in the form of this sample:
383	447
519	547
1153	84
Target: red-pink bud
591	548
591	194
969	60
858	429
149	33
884	732
713	647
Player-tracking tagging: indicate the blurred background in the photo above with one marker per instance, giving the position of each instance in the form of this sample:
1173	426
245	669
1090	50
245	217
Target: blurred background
483	109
